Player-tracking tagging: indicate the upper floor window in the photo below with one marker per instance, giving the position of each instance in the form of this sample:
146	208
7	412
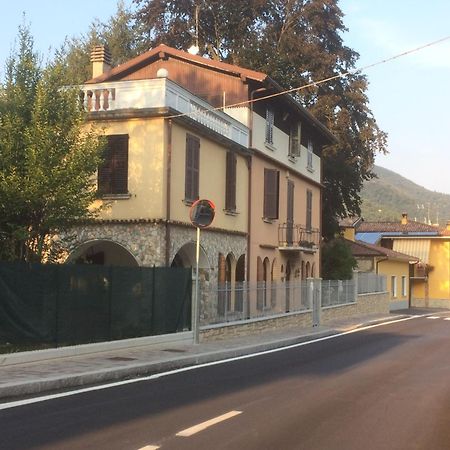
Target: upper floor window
309	196
295	140
270	119
112	176
192	168
230	182
310	154
271	193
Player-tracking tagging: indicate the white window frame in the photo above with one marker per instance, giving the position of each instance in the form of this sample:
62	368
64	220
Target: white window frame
309	163
394	286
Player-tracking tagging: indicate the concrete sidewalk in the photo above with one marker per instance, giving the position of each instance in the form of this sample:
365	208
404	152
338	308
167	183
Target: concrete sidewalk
25	379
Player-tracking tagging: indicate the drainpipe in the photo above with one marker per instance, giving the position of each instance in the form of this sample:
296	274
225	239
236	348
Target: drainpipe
249	164
169	173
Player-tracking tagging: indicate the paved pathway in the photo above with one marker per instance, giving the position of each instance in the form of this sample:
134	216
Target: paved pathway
20	380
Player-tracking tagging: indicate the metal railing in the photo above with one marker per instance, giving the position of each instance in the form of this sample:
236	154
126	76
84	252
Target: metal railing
369	282
236	301
242	300
294	235
338	292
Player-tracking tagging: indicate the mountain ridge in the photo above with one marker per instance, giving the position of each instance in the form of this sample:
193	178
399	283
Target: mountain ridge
390	194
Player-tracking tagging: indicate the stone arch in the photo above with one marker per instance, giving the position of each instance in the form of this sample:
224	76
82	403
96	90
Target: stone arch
186	257
102	252
239	284
274	277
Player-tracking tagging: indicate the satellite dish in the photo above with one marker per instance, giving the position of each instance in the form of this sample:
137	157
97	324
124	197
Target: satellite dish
193	50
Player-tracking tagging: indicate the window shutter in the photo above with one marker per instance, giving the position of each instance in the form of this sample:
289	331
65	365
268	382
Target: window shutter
113	172
271	192
120	164
269	125
294	149
192	168
308	210
230	187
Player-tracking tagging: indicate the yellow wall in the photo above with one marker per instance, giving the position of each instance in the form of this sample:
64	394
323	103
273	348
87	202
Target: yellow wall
211	182
147	175
146	170
439	277
398	269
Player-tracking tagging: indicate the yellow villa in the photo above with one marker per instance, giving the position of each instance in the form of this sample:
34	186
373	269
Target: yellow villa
181	127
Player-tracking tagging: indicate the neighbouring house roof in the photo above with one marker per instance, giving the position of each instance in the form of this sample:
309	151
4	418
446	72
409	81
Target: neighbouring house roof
362	249
411	227
163	51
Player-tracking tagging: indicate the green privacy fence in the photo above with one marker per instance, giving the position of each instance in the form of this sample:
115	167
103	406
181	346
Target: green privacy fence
56	305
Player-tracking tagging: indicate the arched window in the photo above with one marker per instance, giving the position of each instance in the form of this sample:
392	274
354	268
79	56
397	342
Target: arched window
307	270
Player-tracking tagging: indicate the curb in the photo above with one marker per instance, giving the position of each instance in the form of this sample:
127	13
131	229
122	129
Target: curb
90	378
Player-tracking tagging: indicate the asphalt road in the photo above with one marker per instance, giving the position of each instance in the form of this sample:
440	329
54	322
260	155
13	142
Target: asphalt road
387	387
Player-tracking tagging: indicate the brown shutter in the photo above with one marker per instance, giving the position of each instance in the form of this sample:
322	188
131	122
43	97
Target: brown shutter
308	210
192	168
294	147
230	186
113	172
271	192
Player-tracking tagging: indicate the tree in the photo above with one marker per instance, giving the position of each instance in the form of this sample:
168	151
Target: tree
118	33
296	42
48	156
337	260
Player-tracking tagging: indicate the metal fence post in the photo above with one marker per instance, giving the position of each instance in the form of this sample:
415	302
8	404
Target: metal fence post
355	284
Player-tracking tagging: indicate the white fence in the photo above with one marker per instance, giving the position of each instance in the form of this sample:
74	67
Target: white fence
241	300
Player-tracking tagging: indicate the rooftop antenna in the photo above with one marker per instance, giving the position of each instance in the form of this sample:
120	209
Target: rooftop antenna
194	49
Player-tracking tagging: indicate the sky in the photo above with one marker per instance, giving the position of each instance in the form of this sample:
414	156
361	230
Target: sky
408	96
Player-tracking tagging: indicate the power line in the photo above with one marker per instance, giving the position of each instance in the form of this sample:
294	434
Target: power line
317	83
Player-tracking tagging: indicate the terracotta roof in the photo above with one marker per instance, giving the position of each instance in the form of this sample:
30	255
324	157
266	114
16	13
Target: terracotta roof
396	227
117	73
359	249
153	54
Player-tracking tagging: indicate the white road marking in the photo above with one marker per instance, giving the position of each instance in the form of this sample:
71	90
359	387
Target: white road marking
433	317
150	447
447	318
202	426
199	366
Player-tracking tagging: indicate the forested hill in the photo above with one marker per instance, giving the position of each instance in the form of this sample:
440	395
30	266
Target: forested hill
389	195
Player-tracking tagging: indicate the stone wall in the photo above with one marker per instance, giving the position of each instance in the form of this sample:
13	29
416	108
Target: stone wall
377	303
367	304
256	326
145	241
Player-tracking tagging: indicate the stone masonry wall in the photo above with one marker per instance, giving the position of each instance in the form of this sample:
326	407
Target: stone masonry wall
256	326
366	304
145	241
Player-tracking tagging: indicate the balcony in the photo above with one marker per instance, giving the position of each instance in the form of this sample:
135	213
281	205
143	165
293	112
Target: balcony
293	237
157	93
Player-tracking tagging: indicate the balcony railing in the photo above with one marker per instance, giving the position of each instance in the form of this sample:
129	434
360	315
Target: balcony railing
297	237
160	93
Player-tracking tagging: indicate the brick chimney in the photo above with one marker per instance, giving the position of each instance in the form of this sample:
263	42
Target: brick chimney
404	218
101	60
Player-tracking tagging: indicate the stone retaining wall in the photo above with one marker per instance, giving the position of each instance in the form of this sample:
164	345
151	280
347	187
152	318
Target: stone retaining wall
367	304
256	326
